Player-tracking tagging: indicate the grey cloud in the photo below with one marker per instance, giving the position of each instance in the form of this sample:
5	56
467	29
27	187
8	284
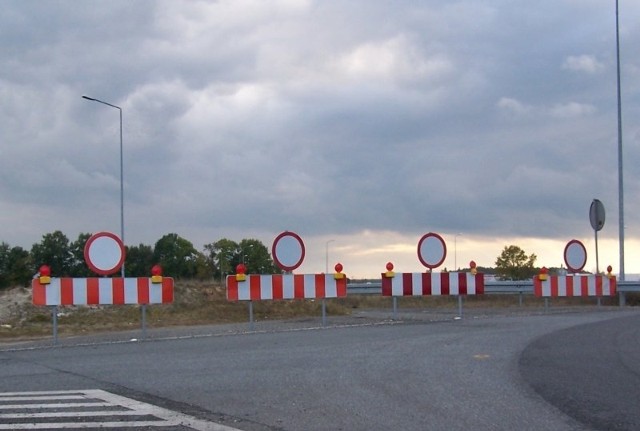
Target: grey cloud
329	116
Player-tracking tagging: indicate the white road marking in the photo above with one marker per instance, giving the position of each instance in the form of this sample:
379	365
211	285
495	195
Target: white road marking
124	407
50	405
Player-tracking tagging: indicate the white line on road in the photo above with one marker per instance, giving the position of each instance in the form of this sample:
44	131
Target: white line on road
129	407
51	405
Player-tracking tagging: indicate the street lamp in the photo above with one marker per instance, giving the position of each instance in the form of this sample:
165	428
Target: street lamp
620	176
455	251
250	246
326	256
121	173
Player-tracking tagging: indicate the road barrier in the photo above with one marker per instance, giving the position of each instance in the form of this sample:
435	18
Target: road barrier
258	287
575	285
519	287
54	292
102	291
432	283
285	286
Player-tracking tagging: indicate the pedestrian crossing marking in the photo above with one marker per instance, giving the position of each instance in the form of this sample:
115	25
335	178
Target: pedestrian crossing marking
35	410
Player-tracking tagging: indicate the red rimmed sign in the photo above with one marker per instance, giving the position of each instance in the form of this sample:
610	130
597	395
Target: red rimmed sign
104	253
288	251
432	250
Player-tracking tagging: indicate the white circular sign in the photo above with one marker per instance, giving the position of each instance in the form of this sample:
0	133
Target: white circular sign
575	255
104	253
288	251
432	250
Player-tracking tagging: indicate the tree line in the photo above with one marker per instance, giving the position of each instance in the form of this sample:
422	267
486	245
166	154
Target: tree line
176	255
180	259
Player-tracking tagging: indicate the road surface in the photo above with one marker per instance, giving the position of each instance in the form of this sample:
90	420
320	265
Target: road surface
573	370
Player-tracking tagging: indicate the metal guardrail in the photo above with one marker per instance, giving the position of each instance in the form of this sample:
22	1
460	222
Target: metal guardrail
523	287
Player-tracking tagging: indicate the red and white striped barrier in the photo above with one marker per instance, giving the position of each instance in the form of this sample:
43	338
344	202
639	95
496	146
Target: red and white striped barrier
102	291
575	285
285	286
432	283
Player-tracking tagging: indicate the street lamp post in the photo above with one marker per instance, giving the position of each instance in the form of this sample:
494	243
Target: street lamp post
121	173
326	256
250	246
455	251
326	271
620	175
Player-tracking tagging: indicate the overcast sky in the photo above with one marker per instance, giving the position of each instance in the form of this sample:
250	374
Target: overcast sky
358	125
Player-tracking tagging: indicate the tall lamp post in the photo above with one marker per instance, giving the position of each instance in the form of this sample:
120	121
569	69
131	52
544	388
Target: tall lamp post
326	256
121	173
620	176
455	251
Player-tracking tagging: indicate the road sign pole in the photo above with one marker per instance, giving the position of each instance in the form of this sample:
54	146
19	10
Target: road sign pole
597	218
143	311
324	312
251	326
54	315
395	308
597	260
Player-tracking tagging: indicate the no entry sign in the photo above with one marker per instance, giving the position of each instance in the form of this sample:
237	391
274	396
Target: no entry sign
288	251
104	253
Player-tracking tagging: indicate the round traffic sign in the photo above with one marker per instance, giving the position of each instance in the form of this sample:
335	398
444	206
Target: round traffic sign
575	255
432	250
596	215
288	251
104	253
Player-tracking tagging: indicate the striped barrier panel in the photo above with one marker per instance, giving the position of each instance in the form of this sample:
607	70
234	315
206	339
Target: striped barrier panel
102	291
432	283
285	286
574	285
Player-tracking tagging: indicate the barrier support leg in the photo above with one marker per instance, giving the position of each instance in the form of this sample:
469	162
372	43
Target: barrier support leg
460	306
324	312
54	316
251	326
395	308
143	315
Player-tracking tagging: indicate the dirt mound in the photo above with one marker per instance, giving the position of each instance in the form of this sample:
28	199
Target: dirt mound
13	303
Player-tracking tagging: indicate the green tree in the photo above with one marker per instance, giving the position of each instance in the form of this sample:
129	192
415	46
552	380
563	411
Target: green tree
176	255
204	270
79	267
4	265
15	266
54	250
20	267
514	264
222	256
139	260
256	257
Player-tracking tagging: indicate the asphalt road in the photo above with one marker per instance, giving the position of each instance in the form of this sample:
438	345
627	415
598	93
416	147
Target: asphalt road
590	372
546	371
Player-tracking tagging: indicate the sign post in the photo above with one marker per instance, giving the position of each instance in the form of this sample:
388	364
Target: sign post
596	217
104	254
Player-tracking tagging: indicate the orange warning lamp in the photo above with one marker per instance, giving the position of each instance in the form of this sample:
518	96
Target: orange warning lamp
45	274
240	272
389	273
544	274
156	274
609	273
338	275
473	265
